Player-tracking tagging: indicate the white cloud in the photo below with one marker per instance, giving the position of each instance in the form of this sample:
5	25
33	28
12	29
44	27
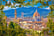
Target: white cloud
12	3
6	8
17	7
26	6
13	8
17	4
47	8
8	2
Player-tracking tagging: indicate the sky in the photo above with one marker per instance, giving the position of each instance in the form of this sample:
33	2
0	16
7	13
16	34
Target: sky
28	11
38	4
9	12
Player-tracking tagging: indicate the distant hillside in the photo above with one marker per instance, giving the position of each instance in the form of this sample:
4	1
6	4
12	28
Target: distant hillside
28	11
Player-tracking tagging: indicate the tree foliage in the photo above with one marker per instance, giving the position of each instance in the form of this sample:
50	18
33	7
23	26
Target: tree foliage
14	29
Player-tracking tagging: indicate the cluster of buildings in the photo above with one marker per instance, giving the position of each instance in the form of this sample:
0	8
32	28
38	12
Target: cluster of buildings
36	22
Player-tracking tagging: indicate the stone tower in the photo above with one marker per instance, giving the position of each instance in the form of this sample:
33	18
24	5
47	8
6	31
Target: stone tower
15	14
42	18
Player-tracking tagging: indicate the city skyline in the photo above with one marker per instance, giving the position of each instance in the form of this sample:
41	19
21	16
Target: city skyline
28	12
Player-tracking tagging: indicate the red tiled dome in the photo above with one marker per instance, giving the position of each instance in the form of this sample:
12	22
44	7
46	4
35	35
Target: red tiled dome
36	14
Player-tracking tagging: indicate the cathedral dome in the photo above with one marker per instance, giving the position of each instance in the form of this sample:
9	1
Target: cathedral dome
36	14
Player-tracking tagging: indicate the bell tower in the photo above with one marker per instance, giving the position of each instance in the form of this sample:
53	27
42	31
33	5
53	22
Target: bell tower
15	14
42	18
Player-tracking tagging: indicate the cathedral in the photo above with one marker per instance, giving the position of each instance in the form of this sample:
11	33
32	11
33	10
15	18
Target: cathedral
35	18
35	22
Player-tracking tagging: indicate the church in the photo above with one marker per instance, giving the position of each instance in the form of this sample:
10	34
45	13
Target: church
35	22
36	17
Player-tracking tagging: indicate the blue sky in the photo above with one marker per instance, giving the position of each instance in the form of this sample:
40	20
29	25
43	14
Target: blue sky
38	4
28	11
50	2
9	12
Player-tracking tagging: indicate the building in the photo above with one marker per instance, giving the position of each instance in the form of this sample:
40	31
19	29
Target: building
36	22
